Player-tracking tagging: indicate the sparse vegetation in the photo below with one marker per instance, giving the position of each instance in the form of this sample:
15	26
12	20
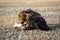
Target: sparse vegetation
8	16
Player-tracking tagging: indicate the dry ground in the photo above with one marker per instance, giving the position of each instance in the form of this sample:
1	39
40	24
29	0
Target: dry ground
8	16
7	32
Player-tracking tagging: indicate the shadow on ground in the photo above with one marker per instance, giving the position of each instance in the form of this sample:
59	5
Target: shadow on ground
50	27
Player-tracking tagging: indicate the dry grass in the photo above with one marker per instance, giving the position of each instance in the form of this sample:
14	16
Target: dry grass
9	33
8	16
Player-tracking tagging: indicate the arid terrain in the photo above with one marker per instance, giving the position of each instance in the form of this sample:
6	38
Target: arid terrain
9	15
